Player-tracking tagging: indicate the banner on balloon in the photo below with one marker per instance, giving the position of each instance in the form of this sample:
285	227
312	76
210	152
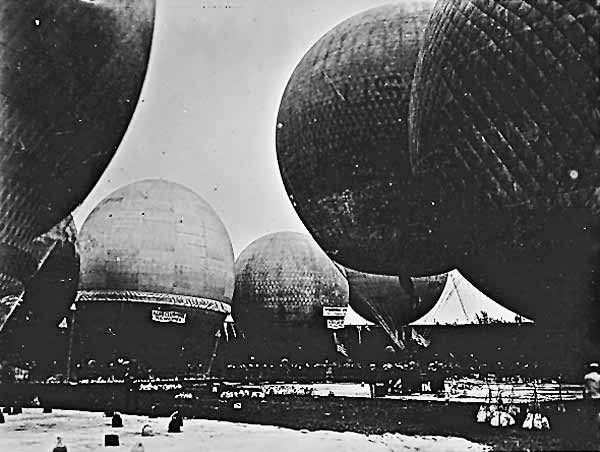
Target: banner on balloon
168	316
335	324
334	311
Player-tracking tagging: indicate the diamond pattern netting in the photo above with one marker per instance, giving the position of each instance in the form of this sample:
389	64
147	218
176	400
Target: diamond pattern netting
505	130
69	83
342	136
506	105
285	278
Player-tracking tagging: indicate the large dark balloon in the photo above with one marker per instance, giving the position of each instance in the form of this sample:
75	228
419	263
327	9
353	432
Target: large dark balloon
71	72
342	142
382	299
505	127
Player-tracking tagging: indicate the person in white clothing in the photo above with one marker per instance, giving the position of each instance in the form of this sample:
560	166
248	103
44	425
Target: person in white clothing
591	385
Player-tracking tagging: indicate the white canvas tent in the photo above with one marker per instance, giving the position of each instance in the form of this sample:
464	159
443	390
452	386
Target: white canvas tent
461	303
353	318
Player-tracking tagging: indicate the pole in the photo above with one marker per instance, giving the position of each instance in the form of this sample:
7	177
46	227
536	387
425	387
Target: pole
73	309
214	353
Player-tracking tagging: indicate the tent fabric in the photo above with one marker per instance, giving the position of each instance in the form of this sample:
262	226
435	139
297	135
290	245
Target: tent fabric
461	303
354	319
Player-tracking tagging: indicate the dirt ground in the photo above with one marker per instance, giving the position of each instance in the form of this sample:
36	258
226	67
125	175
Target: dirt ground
574	430
84	431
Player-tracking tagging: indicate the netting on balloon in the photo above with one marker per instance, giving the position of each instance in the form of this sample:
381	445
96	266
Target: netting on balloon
512	90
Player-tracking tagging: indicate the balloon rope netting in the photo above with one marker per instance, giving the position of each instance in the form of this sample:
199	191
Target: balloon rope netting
385	319
12	302
175	300
387	326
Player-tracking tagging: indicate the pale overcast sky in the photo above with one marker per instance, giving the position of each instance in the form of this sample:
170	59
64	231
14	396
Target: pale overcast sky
206	118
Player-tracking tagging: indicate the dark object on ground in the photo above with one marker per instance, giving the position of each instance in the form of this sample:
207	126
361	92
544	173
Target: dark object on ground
60	447
174	426
147	430
47	410
380	389
117	421
111	439
7	410
17	410
2	421
109	413
175	423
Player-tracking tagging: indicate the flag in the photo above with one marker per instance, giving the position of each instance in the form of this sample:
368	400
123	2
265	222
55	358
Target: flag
339	347
420	340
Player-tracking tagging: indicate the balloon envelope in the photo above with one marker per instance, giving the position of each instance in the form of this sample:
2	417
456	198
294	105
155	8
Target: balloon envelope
505	127
342	142
284	277
71	73
156	265
283	282
381	298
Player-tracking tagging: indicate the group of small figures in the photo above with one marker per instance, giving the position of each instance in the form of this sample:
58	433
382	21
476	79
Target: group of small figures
175	423
290	390
10	410
243	393
506	415
175	426
113	441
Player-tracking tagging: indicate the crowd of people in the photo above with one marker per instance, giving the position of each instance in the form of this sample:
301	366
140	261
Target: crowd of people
410	368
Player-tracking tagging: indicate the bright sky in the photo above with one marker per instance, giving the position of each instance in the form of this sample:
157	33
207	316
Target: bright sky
207	114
